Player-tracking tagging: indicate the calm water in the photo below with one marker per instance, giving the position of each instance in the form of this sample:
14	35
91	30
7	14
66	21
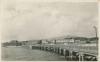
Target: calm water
23	54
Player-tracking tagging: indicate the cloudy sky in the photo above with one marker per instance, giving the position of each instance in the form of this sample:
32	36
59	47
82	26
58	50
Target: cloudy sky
27	20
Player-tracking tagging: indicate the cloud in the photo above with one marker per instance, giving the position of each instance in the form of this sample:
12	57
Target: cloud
25	21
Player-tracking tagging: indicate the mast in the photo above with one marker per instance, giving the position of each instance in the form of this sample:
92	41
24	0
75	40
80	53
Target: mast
95	28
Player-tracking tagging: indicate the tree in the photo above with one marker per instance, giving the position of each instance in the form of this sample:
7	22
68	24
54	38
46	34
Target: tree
88	41
40	42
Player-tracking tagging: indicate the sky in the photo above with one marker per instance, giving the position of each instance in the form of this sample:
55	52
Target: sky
29	20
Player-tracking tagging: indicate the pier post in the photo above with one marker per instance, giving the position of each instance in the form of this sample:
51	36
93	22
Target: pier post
59	50
64	53
67	54
71	56
81	57
53	49
43	47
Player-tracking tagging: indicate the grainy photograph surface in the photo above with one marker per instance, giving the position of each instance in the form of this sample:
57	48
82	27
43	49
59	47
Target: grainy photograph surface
49	31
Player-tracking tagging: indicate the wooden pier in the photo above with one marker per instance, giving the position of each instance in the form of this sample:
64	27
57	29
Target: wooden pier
71	52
